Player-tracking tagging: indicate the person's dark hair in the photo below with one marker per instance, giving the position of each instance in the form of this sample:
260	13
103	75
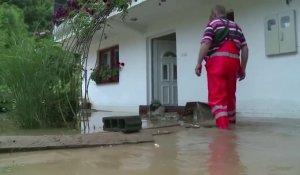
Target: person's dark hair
220	10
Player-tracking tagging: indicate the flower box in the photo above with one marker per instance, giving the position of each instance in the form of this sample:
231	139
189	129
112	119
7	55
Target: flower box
109	81
105	75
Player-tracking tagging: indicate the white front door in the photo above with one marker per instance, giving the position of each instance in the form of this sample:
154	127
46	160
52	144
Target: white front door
165	72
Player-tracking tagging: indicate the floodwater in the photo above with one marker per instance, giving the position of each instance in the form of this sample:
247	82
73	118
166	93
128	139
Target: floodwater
94	123
254	147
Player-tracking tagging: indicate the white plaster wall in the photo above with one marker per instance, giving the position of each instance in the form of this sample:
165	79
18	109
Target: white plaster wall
189	34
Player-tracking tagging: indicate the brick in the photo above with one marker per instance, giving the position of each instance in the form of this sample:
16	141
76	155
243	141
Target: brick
122	123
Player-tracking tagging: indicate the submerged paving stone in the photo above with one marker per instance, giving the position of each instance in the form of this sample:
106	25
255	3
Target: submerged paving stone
124	124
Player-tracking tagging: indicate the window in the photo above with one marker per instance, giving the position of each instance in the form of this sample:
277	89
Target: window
271	24
285	21
165	72
108	63
169	54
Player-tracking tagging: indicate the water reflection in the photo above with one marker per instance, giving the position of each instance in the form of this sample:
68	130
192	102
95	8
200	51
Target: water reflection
93	123
192	152
224	158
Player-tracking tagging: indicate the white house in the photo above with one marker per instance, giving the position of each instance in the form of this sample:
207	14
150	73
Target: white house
159	43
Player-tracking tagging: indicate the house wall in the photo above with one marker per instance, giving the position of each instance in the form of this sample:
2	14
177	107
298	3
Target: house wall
270	88
131	89
272	84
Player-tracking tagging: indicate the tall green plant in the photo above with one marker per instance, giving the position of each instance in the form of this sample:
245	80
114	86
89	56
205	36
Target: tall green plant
43	83
42	77
11	28
5	99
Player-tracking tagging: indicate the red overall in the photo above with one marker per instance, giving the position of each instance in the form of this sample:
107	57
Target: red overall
222	68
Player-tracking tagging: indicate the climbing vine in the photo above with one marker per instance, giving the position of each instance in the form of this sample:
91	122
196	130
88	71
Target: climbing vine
79	20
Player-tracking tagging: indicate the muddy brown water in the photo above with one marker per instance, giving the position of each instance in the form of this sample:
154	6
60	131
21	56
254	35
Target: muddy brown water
254	147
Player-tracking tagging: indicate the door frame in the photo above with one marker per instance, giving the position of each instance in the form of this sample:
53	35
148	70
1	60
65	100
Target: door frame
149	76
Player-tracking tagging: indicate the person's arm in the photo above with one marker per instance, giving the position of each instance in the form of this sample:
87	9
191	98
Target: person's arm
244	61
205	46
202	53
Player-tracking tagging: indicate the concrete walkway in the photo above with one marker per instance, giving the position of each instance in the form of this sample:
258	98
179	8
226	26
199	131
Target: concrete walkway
32	143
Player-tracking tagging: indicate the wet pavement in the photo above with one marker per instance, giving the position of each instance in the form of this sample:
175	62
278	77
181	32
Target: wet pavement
254	147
